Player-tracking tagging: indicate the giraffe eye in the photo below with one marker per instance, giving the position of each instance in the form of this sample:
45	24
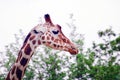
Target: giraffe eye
55	32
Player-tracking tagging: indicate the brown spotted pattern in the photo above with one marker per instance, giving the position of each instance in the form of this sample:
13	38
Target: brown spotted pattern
27	49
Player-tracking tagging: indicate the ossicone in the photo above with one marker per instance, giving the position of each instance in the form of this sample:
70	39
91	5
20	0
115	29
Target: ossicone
47	18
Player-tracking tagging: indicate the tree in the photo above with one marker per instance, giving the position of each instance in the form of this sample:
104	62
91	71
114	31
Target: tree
101	62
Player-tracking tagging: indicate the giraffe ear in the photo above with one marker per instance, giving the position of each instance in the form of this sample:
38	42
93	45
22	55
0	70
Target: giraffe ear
47	18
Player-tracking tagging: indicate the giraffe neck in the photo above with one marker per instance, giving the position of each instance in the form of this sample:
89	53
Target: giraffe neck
18	69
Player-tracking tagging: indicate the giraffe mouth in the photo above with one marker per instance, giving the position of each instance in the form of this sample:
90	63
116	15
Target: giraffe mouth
73	51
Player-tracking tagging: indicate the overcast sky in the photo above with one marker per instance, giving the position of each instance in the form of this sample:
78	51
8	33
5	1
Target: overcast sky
90	15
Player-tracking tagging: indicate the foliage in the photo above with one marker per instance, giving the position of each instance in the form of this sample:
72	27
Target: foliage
49	65
108	57
101	62
53	67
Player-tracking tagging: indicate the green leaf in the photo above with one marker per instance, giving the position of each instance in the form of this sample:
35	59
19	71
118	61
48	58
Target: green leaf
101	33
113	43
118	40
102	46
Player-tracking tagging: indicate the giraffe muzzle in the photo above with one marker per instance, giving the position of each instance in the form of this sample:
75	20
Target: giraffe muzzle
73	50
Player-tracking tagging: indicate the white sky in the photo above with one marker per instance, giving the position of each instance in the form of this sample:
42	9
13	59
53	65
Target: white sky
90	15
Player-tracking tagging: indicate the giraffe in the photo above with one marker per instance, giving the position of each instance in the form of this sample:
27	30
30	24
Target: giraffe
47	34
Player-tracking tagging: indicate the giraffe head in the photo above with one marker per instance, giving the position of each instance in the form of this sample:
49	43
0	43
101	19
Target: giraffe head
51	35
